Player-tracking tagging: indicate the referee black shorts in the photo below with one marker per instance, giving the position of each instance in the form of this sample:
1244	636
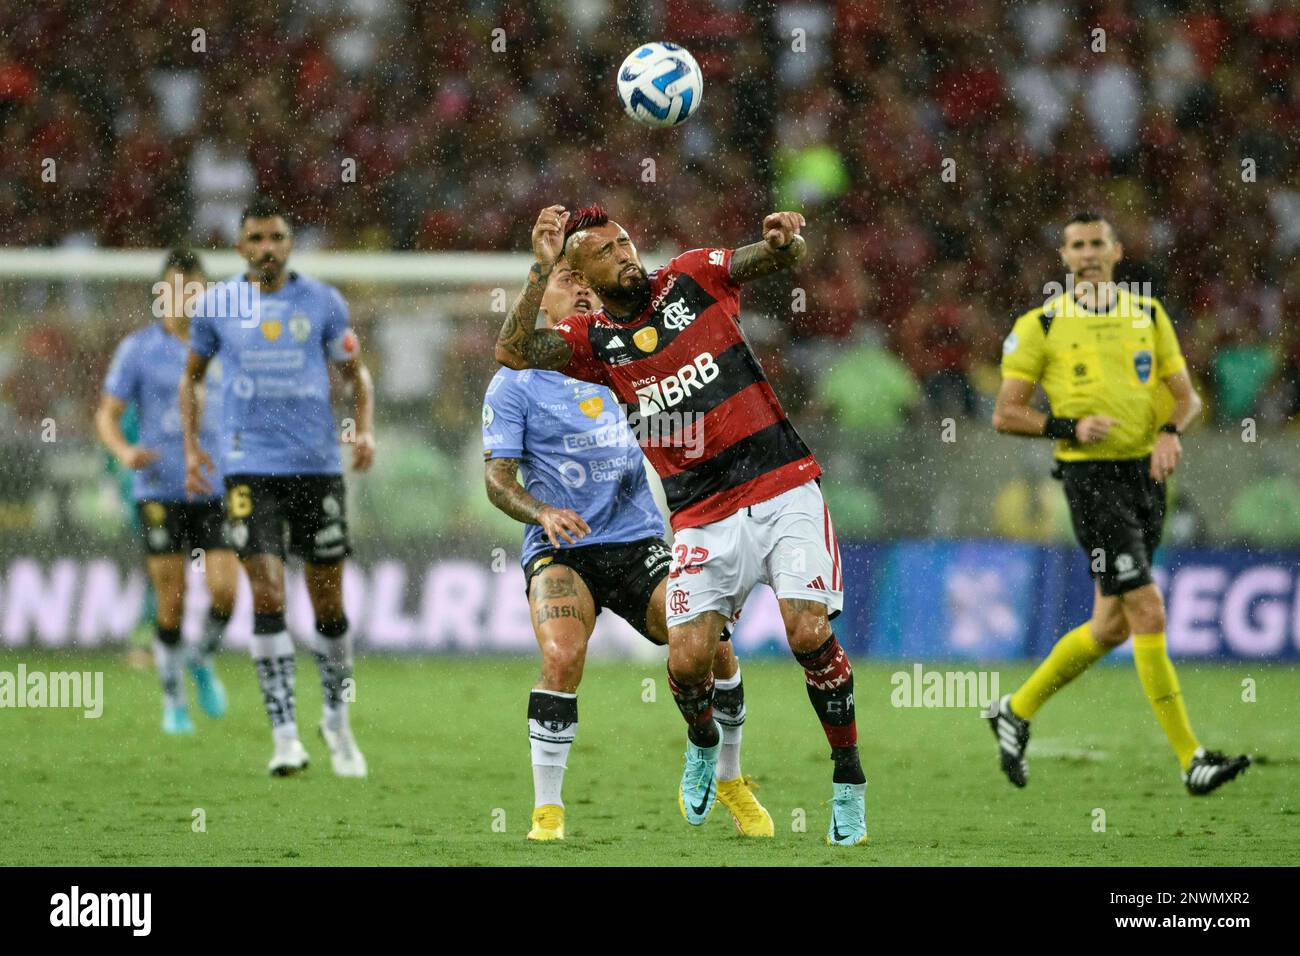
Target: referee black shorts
1118	513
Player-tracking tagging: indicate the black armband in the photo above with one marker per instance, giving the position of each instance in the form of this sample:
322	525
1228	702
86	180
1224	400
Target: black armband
1171	428
1060	427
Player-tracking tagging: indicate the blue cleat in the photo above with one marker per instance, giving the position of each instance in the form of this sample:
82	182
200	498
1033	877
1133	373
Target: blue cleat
699	789
211	692
176	720
848	815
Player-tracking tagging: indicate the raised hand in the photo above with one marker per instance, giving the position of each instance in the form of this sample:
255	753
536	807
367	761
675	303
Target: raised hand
779	228
548	235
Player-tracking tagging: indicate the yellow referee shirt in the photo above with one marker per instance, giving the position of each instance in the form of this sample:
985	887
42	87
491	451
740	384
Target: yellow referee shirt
1099	363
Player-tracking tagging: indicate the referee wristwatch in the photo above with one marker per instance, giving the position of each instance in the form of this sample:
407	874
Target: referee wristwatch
1171	428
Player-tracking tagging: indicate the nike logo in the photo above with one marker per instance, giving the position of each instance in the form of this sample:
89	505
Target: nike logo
835	829
699	811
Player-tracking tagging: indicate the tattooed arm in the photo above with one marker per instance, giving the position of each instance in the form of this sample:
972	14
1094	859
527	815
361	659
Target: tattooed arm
780	248
506	494
520	344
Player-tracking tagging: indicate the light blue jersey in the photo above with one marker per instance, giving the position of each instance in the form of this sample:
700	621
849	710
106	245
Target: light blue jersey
575	451
274	349
147	369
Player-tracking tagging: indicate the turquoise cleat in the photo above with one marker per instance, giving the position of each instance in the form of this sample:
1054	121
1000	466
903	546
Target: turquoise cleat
848	815
699	789
176	720
211	692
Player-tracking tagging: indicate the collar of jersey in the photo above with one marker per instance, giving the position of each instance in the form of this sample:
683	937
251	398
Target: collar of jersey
1064	304
293	277
623	325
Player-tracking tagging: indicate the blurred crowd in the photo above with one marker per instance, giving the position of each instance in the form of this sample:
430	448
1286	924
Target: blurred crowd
935	147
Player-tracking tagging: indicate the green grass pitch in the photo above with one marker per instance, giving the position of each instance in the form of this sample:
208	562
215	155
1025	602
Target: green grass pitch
450	781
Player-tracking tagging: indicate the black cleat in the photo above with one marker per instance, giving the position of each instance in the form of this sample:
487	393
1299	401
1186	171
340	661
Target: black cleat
1211	769
1013	737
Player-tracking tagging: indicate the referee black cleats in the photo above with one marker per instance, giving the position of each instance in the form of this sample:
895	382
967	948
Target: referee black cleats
1211	769
1013	737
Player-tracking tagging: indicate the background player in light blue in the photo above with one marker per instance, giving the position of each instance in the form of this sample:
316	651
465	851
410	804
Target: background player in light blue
594	538
143	373
276	332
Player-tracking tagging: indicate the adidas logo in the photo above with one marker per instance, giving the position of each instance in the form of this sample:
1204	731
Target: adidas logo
615	343
817	584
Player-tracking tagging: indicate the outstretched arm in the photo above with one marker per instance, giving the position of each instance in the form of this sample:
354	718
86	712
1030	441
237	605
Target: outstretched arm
520	344
781	248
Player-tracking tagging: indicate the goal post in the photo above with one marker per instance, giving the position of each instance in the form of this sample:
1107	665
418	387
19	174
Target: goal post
378	268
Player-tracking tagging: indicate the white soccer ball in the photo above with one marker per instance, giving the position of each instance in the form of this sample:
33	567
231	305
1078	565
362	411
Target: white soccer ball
660	84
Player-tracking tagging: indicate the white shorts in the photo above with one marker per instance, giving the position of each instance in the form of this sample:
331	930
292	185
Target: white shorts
786	542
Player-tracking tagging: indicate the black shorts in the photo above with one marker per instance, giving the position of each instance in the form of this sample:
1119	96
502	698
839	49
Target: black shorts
309	510
176	527
621	577
1118	512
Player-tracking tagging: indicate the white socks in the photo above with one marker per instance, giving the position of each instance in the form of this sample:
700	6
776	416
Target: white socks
729	712
552	726
334	659
276	668
169	658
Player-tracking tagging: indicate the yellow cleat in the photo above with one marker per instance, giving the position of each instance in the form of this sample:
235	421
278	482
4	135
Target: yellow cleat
548	823
750	817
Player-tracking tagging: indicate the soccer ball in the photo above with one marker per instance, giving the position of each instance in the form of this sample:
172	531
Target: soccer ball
660	84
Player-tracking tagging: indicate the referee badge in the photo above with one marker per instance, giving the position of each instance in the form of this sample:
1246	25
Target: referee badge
1142	365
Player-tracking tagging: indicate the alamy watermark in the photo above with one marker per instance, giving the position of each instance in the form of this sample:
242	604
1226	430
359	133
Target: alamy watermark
921	688
133	911
1106	292
213	300
77	690
684	430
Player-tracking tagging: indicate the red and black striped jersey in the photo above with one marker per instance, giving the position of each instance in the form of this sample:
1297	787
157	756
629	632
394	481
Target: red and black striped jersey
698	401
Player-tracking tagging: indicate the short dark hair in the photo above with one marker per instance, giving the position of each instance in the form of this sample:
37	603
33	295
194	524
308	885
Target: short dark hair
585	218
184	260
1086	216
263	207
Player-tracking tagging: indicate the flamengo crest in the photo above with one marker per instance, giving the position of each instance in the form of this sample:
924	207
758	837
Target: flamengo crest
677	315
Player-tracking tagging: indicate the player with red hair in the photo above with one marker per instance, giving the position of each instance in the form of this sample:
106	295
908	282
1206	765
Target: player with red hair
746	506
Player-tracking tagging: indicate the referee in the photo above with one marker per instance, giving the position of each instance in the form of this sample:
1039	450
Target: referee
1100	353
